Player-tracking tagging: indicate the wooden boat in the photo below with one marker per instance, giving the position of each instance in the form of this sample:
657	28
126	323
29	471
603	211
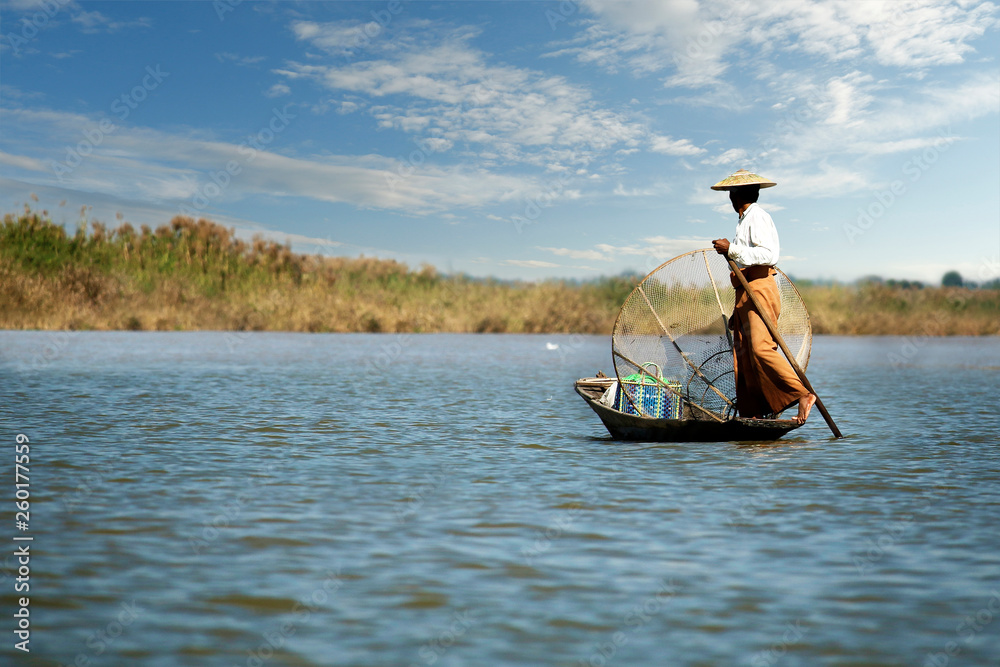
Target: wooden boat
692	427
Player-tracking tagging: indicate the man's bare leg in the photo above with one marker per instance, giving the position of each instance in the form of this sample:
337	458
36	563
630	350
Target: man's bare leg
805	405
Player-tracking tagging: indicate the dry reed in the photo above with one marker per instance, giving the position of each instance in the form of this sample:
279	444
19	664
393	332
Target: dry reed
197	275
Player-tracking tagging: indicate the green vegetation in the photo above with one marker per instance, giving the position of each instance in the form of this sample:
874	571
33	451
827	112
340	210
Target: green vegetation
951	279
196	275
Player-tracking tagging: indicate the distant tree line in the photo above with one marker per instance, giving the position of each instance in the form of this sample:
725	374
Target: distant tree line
950	279
954	279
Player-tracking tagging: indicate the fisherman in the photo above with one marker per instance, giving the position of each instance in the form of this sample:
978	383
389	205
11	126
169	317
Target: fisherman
765	381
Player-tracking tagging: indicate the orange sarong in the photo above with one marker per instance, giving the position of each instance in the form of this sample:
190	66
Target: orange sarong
765	381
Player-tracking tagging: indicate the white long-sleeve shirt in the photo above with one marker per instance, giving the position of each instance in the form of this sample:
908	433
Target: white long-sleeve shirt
756	240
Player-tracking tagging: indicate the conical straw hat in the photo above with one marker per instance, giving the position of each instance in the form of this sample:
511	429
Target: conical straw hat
743	177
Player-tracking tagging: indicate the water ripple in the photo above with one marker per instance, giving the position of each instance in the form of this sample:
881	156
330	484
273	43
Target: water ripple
246	503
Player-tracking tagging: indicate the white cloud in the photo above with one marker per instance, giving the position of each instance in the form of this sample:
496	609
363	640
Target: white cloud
95	21
338	37
669	146
27	5
864	121
434	83
729	157
530	263
150	165
225	56
902	146
22	162
349	106
937	105
826	181
650	191
699	41
576	254
277	90
847	99
920	33
657	246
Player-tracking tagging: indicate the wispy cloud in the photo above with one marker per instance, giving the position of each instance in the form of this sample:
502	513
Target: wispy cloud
151	165
850	115
650	191
436	85
728	157
669	146
96	22
22	162
226	56
576	254
695	42
278	90
655	248
530	263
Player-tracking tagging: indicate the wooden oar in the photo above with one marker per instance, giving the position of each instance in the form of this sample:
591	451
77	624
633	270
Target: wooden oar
784	348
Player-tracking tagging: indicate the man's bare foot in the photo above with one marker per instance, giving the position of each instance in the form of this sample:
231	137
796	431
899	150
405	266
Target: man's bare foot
805	405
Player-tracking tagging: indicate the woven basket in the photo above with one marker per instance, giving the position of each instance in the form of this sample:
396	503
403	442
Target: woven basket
650	395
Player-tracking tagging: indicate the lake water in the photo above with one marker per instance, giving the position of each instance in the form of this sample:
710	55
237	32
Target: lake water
281	499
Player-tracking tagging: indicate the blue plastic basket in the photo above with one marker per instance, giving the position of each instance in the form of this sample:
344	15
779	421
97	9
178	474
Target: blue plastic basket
651	396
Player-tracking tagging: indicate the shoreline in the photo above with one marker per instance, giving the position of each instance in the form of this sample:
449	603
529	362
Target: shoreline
197	276
387	334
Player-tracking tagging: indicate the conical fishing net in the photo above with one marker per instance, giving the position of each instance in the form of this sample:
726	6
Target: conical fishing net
672	338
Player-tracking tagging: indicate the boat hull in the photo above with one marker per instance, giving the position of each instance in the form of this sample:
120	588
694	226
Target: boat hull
623	426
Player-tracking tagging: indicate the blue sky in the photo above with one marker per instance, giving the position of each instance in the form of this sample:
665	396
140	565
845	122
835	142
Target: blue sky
519	139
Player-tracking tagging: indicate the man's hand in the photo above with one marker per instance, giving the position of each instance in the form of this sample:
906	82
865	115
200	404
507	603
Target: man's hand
721	246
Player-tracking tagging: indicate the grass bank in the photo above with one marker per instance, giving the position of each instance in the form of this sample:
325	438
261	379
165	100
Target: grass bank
196	275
